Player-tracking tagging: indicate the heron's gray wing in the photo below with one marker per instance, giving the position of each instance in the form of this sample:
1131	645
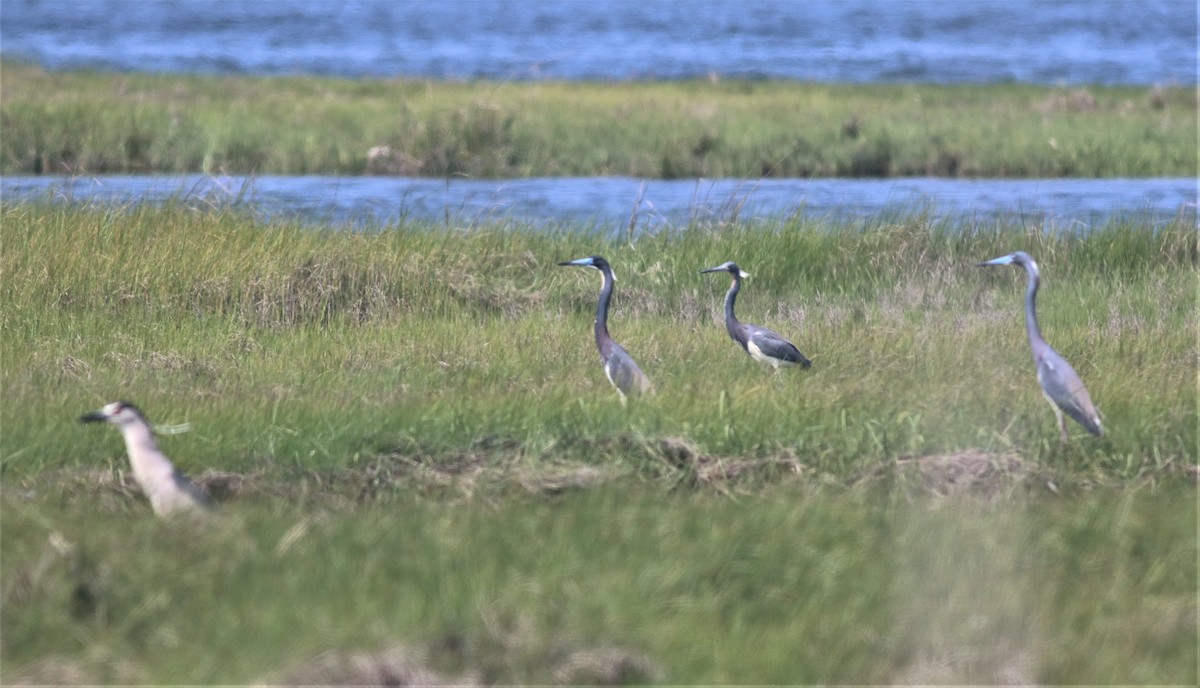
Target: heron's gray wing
1063	386
624	373
772	344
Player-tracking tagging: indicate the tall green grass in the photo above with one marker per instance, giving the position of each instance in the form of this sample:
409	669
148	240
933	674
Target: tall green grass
415	448
318	348
92	123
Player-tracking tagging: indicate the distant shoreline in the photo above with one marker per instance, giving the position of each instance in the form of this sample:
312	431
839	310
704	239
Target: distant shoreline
91	122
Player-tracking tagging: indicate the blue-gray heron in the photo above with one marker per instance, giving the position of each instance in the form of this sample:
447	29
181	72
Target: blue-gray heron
1060	385
763	345
168	490
619	367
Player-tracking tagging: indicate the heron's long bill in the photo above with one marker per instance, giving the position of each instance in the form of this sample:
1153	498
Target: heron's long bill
727	267
1002	260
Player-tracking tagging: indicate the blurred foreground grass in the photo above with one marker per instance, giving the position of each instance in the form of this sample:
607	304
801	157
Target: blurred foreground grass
630	585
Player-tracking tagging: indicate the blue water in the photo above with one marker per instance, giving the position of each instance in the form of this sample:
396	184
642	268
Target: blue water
944	41
612	204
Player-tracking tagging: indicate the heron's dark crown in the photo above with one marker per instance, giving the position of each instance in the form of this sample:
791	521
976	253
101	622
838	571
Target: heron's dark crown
111	410
127	406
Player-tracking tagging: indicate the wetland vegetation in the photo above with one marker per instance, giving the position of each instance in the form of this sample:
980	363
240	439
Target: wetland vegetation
424	475
97	123
418	456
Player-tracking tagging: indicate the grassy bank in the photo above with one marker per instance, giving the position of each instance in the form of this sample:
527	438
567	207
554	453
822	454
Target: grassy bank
92	123
321	348
418	457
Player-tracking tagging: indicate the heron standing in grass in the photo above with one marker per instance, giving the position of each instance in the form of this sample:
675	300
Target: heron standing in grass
619	366
168	490
763	345
1060	385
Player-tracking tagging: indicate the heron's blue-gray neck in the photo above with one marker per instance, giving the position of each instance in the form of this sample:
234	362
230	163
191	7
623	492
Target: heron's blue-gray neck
604	342
731	322
1036	343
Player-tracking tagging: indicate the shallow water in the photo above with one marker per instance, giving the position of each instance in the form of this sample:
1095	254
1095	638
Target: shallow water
612	203
1038	41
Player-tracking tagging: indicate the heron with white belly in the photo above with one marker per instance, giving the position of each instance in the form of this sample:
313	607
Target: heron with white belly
763	345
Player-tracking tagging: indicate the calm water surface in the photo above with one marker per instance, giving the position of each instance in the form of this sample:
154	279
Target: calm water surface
610	204
943	41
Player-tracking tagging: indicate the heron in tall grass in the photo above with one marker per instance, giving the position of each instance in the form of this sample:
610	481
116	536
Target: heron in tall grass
1060	384
168	490
763	345
619	366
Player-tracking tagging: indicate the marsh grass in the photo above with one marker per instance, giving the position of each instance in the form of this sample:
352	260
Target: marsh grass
421	465
96	123
287	345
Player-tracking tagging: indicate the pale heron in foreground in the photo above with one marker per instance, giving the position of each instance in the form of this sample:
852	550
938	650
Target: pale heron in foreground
763	345
619	367
168	490
1060	385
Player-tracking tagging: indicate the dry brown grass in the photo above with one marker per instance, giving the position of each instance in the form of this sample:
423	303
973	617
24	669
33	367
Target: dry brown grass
397	665
966	471
56	670
493	468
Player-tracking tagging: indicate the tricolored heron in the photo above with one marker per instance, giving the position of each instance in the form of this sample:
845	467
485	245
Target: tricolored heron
763	345
1060	385
168	490
619	367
